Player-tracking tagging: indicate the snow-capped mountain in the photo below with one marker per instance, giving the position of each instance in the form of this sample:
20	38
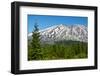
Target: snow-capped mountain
63	32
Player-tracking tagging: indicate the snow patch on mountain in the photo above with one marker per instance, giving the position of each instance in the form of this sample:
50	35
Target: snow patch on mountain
63	32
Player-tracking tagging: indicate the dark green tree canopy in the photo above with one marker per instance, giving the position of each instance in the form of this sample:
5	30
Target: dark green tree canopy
35	51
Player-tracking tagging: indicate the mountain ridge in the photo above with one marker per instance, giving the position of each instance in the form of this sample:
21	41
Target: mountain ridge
63	32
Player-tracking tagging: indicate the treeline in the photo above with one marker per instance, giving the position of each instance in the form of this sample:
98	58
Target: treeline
59	50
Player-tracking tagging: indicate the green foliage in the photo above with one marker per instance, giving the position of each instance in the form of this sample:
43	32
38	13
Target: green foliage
34	49
63	50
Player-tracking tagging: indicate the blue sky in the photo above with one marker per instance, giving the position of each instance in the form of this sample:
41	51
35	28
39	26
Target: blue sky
45	21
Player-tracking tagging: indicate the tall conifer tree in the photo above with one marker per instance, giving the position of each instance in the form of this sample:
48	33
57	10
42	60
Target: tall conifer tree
35	44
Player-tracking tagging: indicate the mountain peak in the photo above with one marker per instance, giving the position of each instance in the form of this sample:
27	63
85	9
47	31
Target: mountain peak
61	25
64	32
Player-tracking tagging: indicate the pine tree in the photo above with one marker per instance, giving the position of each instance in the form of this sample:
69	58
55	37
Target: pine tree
35	44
